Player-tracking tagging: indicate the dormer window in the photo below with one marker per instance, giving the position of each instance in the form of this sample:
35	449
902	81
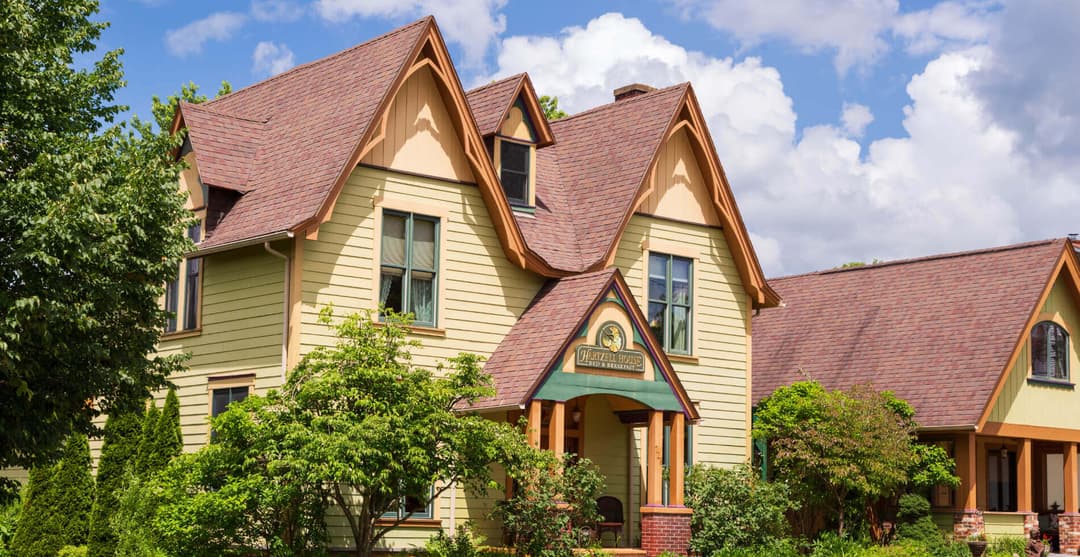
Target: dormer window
514	171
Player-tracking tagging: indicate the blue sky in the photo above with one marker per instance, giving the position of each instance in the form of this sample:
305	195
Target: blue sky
850	129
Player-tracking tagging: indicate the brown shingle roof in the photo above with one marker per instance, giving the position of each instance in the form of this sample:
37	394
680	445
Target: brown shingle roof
315	115
489	102
937	331
539	336
225	146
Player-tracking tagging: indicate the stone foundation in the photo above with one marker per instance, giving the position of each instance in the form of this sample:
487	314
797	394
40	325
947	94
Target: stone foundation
968	523
665	529
1031	525
1069	533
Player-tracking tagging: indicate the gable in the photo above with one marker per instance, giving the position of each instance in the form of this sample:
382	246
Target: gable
190	184
1024	402
518	124
677	188
420	136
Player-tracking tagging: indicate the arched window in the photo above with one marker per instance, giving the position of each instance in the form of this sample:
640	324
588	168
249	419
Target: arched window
1050	351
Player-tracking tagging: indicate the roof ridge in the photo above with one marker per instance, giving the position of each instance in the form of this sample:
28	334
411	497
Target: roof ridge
926	258
203	108
588	275
518	75
305	65
626	102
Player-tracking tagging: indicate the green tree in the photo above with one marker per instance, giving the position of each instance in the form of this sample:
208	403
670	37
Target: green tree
550	106
168	440
844	449
145	457
118	452
91	228
735	509
57	508
165	111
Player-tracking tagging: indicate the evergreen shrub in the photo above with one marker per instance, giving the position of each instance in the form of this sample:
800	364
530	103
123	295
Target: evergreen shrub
735	509
122	432
56	510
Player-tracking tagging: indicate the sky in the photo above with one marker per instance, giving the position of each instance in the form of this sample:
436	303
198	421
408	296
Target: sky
850	130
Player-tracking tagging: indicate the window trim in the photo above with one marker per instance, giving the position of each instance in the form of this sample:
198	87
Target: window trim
664	247
430	514
1056	320
669	304
382	203
408	268
176	326
224	382
530	202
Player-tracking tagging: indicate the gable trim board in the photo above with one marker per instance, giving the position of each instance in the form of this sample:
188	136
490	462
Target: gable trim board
1067	261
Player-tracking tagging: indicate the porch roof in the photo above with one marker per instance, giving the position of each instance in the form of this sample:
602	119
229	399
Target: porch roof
536	344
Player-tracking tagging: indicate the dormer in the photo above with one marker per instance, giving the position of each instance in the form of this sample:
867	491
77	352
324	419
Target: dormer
514	127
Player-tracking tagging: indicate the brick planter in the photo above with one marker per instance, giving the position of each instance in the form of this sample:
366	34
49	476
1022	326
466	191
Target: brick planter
1069	533
968	523
665	529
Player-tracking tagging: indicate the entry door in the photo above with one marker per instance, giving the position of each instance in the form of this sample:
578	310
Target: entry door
1001	480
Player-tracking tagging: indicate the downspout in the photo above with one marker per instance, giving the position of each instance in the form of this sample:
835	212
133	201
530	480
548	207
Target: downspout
285	307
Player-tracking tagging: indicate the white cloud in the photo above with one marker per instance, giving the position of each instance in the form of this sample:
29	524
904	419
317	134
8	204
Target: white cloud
855	117
850	28
271	59
276	10
958	178
190	38
472	24
946	25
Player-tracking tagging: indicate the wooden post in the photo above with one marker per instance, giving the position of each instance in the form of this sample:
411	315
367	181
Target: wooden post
677	460
1071	498
533	429
557	429
655	448
1023	477
965	467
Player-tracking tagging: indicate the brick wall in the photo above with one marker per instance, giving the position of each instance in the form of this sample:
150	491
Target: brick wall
968	523
1031	524
664	531
1069	533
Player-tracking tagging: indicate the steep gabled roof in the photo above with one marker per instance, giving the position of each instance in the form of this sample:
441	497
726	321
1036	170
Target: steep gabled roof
492	102
938	331
529	352
315	116
225	146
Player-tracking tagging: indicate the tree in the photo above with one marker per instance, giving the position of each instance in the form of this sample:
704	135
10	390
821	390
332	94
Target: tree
145	453
168	439
843	449
57	508
91	228
550	106
122	431
165	111
735	509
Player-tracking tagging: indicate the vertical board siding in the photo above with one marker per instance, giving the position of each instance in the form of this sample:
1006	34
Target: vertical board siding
1026	403
241	333
718	380
678	187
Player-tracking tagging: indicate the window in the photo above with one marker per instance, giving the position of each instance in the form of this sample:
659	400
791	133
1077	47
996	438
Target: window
1050	351
223	397
1001	480
409	257
670	301
420	507
514	161
688	457
182	293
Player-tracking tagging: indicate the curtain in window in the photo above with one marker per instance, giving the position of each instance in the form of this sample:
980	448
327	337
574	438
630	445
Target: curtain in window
393	240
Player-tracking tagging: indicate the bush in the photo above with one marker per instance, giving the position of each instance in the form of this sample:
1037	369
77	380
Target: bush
9	520
735	509
57	505
464	543
553	507
73	551
916	522
1006	546
774	548
118	451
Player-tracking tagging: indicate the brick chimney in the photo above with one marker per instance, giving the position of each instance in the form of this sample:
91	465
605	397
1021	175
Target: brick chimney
632	90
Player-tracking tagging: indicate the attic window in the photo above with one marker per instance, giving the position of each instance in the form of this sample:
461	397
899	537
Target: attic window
514	171
1050	351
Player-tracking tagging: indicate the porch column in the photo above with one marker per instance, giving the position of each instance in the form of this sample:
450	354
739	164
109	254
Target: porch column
677	459
655	448
1069	521
557	429
968	519
1070	479
533	427
1023	477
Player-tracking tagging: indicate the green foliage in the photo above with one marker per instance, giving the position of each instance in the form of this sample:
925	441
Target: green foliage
782	547
916	522
165	111
9	520
464	543
1006	546
133	520
550	106
91	228
735	508
853	264
120	447
845	449
56	511
553	505
168	440
73	551
146	460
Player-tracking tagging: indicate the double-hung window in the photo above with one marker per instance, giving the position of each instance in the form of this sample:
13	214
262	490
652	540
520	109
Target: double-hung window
222	398
409	265
514	174
182	293
420	507
671	301
1050	351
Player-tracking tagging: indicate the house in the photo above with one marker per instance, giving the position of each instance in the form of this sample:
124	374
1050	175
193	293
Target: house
599	261
980	343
